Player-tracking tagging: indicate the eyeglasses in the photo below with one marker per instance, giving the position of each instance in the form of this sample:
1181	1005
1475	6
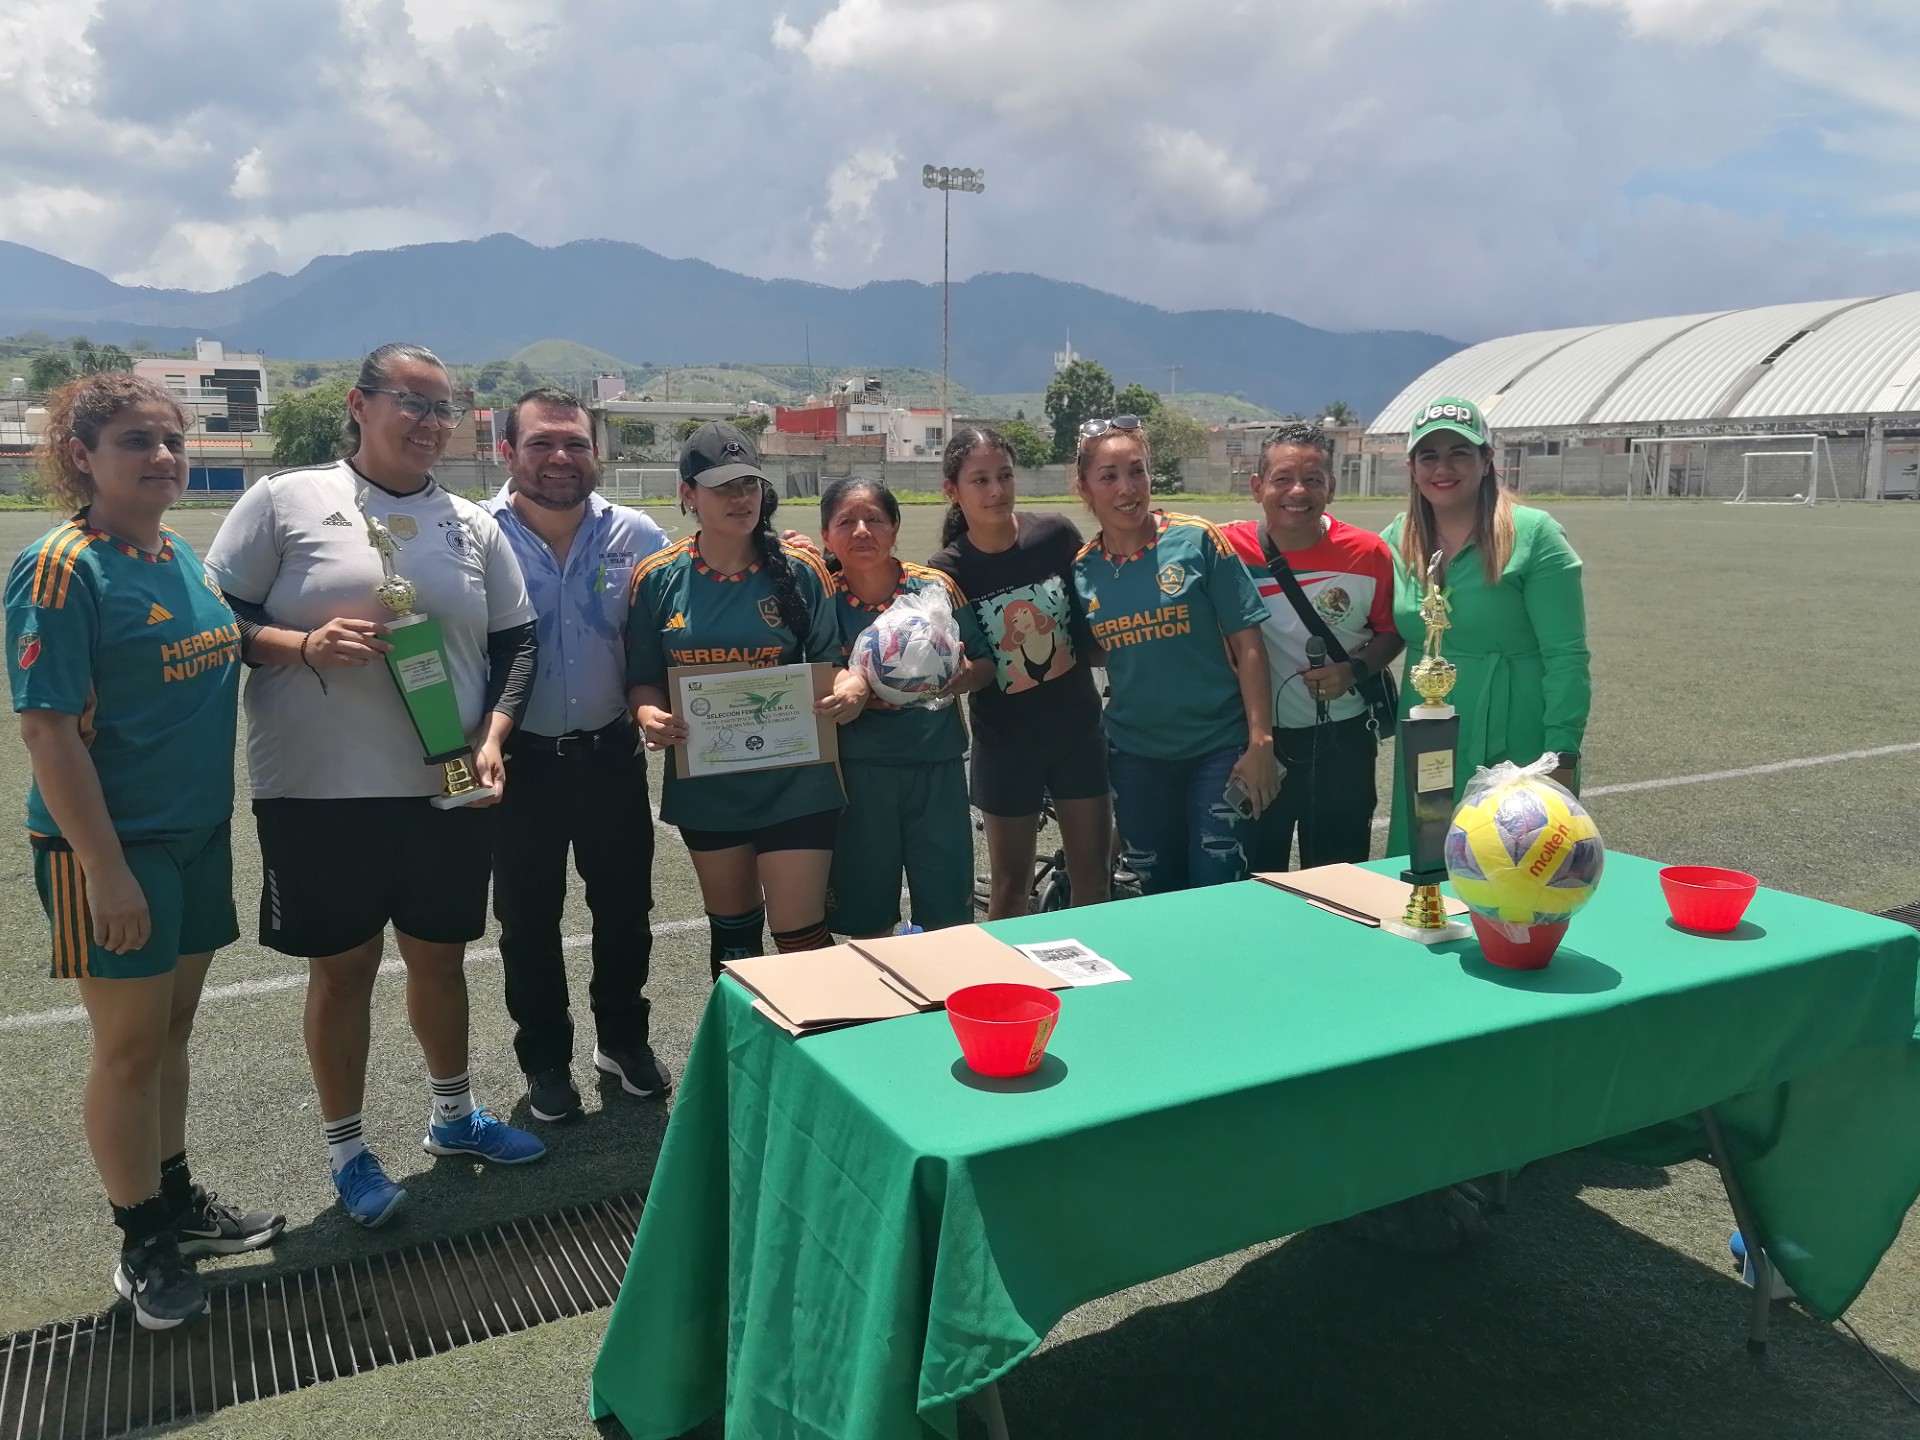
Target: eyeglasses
419	407
1094	429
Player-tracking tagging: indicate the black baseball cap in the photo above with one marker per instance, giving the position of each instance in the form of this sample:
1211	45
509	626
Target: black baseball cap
718	454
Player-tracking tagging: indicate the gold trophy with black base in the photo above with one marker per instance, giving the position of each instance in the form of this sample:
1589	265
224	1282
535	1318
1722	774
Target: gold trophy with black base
1429	738
422	675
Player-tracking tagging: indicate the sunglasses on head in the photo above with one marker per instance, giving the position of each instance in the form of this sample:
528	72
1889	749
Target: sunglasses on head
1094	429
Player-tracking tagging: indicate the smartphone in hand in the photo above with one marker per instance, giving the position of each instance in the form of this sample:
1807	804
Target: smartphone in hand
1239	799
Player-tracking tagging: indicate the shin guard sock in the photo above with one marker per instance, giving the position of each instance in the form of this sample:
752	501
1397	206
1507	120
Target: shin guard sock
808	937
735	937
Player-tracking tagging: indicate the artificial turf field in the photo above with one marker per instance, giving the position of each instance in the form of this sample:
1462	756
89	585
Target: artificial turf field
1750	640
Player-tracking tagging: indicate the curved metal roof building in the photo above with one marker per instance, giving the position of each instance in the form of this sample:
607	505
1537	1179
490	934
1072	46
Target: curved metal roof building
1722	370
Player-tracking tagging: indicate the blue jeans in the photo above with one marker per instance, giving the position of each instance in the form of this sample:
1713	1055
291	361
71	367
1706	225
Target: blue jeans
1178	832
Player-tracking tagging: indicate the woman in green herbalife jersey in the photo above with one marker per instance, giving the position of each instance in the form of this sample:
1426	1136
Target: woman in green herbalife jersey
734	593
904	767
1190	720
1519	634
125	668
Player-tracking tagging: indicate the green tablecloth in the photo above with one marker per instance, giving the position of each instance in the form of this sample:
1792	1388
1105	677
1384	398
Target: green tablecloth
844	1236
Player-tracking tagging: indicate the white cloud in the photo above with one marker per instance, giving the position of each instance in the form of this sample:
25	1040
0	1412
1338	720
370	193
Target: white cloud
850	221
1350	162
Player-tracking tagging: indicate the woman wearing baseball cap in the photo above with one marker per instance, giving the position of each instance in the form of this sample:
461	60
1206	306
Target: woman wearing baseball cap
1519	635
761	841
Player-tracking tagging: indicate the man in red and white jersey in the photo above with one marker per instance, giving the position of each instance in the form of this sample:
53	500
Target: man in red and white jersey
1321	726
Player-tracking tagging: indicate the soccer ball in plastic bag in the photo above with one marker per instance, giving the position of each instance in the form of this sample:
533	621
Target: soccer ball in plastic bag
912	651
1521	849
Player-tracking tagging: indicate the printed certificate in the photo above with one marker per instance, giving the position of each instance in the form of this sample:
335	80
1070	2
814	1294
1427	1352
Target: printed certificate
740	720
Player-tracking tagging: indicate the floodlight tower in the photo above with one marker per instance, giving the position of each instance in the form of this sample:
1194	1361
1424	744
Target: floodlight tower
947	179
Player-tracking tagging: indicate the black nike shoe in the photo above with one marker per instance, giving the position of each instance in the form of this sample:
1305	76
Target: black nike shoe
551	1096
635	1068
160	1283
211	1227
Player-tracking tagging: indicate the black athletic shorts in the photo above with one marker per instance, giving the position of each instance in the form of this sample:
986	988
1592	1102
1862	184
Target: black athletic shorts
1015	780
803	832
334	873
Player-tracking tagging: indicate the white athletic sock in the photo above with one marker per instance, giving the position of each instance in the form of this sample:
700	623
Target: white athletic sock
343	1141
452	1099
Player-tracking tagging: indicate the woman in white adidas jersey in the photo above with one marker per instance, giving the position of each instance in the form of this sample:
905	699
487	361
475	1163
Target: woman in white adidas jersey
348	839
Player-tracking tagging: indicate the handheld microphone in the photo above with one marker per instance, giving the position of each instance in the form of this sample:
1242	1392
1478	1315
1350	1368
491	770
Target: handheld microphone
1317	659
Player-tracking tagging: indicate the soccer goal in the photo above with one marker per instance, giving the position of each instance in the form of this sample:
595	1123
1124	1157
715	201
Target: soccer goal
642	482
1734	469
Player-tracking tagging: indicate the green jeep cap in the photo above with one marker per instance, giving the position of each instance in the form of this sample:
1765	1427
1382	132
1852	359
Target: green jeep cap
1449	412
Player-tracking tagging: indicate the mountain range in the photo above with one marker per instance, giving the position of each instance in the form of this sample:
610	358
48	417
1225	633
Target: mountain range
477	300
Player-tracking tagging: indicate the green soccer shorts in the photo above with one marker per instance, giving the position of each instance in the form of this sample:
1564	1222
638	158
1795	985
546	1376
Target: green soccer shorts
188	882
910	818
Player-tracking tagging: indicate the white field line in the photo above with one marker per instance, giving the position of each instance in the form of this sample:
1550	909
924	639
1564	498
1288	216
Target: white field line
1772	767
243	989
274	984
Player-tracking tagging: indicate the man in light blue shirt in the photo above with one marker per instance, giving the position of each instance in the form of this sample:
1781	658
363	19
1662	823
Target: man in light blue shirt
576	774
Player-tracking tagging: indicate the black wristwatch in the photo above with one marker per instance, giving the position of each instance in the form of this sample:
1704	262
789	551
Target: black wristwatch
1360	670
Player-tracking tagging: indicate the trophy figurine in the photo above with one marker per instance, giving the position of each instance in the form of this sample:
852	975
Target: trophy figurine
1428	738
418	664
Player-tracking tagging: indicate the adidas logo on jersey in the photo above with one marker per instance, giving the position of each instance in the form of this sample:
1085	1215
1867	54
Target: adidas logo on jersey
336	518
158	613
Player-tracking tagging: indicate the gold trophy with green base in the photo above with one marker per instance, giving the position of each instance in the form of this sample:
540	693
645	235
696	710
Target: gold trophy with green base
422	675
1429	737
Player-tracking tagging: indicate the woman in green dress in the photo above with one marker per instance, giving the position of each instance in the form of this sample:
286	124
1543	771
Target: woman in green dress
1519	620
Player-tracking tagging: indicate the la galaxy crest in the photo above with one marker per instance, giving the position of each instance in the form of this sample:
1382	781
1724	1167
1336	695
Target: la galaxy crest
1171	578
770	611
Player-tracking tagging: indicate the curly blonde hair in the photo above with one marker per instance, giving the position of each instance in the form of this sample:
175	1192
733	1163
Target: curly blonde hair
80	410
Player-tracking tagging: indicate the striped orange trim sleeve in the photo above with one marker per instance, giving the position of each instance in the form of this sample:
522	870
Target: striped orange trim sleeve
54	573
653	562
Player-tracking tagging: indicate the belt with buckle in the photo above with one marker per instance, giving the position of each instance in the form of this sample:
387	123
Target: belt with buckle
622	736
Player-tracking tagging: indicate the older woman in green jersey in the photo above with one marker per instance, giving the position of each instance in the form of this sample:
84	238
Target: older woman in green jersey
1190	719
125	669
735	593
904	767
1519	633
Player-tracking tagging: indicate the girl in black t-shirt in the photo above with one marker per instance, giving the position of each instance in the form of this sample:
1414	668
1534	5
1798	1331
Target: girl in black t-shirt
1036	729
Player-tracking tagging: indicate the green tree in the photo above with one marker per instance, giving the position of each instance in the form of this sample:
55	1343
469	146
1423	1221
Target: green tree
140	345
108	359
1339	412
1080	392
637	434
307	425
49	370
1031	449
754	425
683	431
1174	436
308	374
1136	399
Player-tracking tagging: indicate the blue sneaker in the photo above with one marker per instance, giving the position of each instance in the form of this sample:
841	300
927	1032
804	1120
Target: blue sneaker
484	1134
366	1192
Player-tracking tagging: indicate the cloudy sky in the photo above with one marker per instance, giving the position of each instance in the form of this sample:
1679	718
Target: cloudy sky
1466	166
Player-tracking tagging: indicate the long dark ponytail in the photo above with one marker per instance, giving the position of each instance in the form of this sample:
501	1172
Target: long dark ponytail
965	441
786	590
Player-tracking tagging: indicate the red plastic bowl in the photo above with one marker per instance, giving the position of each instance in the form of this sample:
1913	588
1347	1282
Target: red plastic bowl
1705	897
1003	1029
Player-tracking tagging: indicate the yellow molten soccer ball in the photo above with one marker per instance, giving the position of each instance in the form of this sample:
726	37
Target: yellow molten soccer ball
1526	852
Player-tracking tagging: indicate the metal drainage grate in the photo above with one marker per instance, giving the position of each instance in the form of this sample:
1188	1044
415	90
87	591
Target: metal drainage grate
1908	914
103	1375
